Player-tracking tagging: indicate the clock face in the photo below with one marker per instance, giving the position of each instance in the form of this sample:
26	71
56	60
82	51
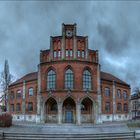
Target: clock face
69	33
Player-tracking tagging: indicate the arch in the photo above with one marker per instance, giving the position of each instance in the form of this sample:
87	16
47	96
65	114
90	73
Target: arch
51	110
87	110
69	110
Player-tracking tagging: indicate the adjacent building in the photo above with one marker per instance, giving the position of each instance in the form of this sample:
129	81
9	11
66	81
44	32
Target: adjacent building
69	86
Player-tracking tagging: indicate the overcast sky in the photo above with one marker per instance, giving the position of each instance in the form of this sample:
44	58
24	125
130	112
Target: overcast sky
113	28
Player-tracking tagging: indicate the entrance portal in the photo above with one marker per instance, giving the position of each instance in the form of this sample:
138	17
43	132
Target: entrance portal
69	111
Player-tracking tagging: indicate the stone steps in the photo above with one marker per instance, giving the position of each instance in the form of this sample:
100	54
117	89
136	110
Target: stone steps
96	136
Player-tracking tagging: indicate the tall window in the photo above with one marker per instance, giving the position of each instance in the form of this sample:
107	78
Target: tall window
86	80
30	106
107	106
83	54
12	107
119	107
78	53
18	107
107	92
12	96
70	53
30	91
124	95
59	53
51	79
67	53
118	93
54	54
68	79
125	107
18	95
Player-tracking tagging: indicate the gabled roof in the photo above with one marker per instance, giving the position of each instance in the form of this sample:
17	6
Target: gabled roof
28	77
109	77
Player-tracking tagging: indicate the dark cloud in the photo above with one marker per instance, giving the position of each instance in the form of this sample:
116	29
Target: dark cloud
112	27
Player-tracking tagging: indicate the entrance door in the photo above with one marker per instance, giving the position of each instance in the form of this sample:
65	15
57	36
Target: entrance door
69	117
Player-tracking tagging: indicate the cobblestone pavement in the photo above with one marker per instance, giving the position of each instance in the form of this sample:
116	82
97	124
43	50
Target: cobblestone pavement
67	128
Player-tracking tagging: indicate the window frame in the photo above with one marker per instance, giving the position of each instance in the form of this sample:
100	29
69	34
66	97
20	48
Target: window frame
118	93
107	107
87	79
30	108
54	54
18	107
51	80
69	79
119	105
107	94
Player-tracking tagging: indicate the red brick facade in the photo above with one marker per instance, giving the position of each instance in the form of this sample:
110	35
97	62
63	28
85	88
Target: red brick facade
69	52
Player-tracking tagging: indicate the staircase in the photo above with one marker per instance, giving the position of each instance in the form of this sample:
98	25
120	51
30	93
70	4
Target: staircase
42	136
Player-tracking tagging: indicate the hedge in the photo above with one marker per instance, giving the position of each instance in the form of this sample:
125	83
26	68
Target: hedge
5	120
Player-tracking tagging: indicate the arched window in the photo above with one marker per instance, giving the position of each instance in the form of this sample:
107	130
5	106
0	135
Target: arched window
51	76
86	80
119	107
68	79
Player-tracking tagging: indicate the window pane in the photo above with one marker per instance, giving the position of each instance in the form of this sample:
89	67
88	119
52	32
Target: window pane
118	107
30	91
17	107
51	80
59	53
107	92
86	80
30	106
67	53
107	107
68	79
18	95
125	95
83	54
119	93
71	53
78	53
54	54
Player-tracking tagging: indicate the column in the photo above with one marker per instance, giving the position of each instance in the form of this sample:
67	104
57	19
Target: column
23	99
113	101
38	117
59	113
78	113
99	99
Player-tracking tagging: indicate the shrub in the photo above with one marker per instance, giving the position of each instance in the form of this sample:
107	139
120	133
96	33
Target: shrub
5	120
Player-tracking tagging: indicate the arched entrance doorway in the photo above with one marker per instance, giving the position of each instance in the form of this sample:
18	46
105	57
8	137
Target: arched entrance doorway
51	110
69	111
87	110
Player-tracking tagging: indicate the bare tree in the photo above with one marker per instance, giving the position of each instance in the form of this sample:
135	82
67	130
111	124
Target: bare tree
5	80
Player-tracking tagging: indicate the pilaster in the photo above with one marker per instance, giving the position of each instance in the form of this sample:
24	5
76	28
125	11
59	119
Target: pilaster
63	41
99	106
59	113
113	101
51	49
78	113
23	98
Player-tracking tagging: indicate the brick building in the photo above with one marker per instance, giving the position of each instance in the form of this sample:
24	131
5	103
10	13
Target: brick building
69	86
